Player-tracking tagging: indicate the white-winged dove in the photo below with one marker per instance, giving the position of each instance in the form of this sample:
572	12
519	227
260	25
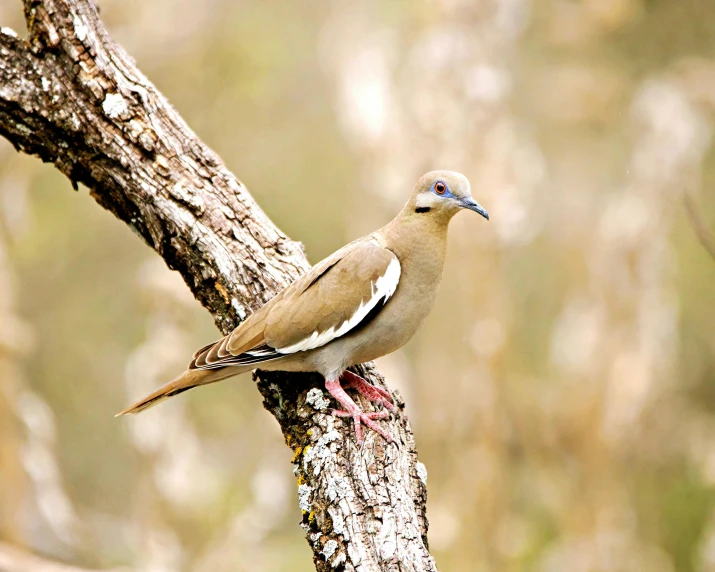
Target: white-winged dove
362	302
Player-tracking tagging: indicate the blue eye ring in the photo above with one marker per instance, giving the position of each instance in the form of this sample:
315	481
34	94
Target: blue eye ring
440	188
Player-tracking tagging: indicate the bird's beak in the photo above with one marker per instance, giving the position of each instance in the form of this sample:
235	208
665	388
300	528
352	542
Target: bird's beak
473	205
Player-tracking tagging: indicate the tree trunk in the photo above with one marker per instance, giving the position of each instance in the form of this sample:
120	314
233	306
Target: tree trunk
73	97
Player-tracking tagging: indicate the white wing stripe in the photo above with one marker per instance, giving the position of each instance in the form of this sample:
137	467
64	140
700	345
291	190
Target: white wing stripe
261	353
383	287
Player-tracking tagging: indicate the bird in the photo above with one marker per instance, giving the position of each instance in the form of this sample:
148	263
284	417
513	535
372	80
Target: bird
362	302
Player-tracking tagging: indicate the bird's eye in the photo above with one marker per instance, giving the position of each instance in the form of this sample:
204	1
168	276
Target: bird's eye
440	188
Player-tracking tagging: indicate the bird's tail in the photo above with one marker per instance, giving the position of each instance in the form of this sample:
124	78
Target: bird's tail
185	381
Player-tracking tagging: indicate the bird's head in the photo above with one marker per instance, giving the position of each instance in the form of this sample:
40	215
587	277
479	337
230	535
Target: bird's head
443	193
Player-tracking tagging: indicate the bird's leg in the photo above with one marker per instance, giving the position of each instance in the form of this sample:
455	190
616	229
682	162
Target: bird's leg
352	410
367	389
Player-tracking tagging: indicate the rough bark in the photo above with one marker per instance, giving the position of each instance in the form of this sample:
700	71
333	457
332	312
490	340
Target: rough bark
73	97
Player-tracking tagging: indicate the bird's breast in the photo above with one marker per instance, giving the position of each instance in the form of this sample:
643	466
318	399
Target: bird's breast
396	323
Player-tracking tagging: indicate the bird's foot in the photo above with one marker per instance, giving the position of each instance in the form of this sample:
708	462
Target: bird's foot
359	416
367	389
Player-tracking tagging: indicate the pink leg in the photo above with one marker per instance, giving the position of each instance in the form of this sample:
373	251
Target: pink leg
358	415
367	389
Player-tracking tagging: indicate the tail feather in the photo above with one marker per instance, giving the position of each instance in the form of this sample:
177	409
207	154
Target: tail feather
185	381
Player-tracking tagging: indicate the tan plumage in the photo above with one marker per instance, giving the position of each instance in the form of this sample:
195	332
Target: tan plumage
362	302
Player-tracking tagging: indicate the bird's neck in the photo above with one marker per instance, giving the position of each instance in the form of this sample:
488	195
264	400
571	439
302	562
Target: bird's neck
418	239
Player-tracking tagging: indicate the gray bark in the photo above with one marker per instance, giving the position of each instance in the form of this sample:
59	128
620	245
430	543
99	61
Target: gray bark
73	97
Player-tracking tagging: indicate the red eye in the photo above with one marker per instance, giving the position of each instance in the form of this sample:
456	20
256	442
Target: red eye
440	188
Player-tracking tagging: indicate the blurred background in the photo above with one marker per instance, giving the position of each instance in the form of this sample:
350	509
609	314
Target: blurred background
563	390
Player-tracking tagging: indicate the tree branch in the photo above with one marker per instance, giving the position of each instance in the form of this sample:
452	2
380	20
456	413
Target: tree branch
73	97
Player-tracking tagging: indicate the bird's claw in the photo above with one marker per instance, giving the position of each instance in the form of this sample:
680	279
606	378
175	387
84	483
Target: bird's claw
352	409
360	417
368	390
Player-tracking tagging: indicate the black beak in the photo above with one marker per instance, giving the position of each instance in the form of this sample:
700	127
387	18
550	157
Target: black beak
473	205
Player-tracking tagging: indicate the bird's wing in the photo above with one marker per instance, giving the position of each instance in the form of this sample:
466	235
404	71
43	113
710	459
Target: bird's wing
333	298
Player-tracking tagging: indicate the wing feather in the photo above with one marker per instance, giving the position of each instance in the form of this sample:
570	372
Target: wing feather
334	297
